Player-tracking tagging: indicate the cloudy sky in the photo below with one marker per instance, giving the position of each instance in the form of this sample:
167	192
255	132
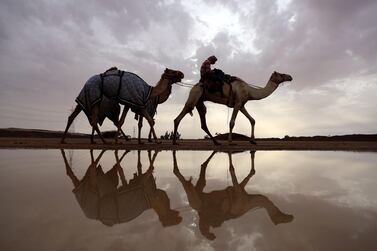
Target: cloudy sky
48	49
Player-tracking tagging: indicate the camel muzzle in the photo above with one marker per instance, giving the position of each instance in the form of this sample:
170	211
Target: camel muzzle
180	75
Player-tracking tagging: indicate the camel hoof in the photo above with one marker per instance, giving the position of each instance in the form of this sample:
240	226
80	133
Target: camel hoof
217	143
140	142
252	141
175	143
158	142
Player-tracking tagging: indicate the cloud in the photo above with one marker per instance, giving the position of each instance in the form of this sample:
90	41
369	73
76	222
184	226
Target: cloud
314	46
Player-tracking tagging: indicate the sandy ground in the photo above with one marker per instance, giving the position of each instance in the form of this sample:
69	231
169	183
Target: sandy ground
80	143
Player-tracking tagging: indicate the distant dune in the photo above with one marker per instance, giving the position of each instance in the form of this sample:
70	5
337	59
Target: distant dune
35	133
351	137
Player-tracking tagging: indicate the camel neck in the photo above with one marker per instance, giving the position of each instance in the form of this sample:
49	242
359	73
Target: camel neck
161	88
255	93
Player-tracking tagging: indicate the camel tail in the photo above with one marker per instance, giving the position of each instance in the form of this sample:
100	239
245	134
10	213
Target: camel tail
191	113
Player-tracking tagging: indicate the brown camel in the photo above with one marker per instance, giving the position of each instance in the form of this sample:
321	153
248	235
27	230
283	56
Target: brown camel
235	95
159	92
216	207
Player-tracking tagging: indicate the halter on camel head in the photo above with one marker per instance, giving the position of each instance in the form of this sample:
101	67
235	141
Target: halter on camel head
173	75
279	78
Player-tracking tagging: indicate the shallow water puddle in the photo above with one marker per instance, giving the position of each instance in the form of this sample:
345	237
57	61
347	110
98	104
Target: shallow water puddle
195	200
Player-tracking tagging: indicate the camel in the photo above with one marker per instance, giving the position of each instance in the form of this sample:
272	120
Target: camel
235	95
216	207
113	84
101	198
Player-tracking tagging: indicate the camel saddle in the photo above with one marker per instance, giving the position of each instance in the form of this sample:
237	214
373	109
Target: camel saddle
215	81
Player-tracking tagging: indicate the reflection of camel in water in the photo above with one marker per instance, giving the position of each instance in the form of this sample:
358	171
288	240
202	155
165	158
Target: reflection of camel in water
100	197
235	95
218	206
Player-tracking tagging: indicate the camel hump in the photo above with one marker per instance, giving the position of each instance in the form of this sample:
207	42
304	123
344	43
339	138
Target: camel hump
114	68
112	71
232	79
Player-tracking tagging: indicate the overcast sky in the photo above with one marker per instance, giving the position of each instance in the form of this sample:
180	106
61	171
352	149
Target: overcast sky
48	49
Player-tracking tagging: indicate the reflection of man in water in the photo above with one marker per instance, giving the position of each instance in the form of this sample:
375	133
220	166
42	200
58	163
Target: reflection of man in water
218	206
101	199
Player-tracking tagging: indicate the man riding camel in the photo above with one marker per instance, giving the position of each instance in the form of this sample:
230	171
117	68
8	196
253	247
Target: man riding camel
213	80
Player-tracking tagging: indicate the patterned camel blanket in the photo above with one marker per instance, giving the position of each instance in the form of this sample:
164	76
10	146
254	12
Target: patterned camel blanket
108	108
124	87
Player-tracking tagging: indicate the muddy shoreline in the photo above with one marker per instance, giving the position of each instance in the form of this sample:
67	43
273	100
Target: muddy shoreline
188	144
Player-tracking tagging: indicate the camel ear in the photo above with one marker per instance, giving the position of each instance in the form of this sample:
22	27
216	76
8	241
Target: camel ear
166	69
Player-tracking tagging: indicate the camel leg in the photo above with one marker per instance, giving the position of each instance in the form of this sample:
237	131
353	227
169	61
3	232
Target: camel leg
118	160
252	170
94	123
92	136
152	158
120	123
233	120
91	156
202	110
70	121
151	162
176	170
151	124
177	120
93	178
193	195
252	123
122	177
120	169
96	161
150	136
69	170
201	183
194	97
139	126
232	172
139	166
124	135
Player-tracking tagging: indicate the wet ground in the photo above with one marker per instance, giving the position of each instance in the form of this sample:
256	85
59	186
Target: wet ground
189	144
187	200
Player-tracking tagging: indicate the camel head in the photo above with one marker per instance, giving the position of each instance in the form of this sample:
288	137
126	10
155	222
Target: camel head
279	78
172	75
